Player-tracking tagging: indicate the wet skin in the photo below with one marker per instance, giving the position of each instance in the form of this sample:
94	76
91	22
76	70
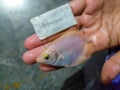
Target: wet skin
99	23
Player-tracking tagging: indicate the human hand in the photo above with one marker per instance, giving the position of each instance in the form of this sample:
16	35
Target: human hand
99	22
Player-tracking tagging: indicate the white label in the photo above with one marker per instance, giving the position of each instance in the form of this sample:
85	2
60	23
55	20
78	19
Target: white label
53	21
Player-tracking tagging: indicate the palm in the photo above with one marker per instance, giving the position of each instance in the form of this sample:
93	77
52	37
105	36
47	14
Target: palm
99	23
102	23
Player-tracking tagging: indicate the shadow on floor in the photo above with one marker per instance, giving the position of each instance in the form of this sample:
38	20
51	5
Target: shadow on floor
75	82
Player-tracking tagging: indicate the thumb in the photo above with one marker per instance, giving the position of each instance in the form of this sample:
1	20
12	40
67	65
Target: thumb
111	69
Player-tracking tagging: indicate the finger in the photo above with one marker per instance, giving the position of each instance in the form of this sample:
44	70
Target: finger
47	68
77	6
30	56
93	7
111	69
79	21
33	41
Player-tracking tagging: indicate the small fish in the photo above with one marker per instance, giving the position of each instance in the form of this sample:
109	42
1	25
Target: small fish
67	51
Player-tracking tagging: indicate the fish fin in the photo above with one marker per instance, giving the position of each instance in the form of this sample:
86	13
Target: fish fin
78	61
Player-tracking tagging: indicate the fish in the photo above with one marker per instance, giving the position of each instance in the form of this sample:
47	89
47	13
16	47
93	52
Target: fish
67	51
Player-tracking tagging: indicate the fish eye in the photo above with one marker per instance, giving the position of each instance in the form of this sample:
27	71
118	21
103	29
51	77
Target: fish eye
46	56
49	57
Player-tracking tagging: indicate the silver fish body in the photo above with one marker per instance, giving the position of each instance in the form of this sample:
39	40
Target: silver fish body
65	51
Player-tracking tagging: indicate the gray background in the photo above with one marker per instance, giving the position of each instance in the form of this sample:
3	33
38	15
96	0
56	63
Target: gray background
15	26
